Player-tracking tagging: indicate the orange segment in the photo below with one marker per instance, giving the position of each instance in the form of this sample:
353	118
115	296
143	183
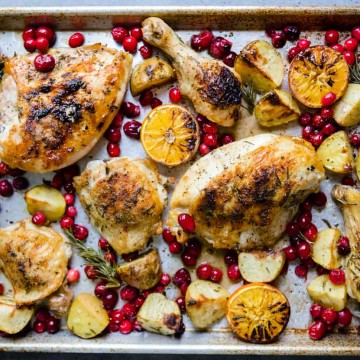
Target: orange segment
258	313
170	135
317	71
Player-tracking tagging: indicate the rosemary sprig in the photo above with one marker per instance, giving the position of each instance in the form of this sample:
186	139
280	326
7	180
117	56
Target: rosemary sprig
355	73
103	269
249	96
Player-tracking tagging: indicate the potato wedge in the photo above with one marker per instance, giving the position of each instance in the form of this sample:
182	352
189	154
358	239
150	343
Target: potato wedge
324	250
150	73
46	199
261	266
347	109
87	317
260	64
142	273
205	302
13	319
336	154
357	166
160	315
275	108
329	295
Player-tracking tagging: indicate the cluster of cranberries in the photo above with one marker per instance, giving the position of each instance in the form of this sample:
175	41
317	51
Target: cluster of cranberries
38	38
289	32
44	321
129	40
18	182
326	319
218	47
231	260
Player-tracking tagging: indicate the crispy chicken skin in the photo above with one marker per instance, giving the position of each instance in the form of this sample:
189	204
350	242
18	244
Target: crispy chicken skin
243	194
51	120
124	199
34	259
214	88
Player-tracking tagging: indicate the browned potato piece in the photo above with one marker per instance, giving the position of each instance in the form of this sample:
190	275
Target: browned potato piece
150	73
142	273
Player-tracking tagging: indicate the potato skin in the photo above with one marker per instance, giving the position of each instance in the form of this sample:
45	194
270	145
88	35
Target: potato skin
142	273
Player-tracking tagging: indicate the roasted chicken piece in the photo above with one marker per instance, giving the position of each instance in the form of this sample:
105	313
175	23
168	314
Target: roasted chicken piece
348	199
243	194
34	259
51	120
214	88
124	199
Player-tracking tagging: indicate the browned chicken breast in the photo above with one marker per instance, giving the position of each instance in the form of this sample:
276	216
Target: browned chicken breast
51	120
34	259
124	199
243	194
214	88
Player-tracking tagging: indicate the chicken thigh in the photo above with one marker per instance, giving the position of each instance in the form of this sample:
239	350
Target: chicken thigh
34	259
50	120
214	88
243	194
124	199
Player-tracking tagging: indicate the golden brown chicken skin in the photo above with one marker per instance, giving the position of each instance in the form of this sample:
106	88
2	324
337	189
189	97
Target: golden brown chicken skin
51	120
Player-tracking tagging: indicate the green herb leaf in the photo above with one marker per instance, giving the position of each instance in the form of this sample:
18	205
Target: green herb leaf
249	96
355	73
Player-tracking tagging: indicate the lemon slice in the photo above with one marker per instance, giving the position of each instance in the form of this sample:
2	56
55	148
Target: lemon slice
170	135
258	313
317	71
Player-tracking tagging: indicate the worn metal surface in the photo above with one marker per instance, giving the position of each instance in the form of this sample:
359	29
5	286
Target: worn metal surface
240	25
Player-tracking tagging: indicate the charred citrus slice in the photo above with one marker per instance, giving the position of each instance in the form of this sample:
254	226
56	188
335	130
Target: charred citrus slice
258	313
170	135
317	71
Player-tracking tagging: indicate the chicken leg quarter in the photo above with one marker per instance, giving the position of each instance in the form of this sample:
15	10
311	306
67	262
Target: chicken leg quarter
214	88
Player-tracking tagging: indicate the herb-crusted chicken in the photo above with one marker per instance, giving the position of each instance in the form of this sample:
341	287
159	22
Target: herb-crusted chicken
51	120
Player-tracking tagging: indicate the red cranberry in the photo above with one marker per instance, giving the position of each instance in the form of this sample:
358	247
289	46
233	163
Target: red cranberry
315	311
278	40
306	206
103	244
1	289
202	41
113	135
329	316
73	275
90	272
14	172
109	299
146	97
165	279
188	259
139	301
328	129
71	211
69	187
146	51
155	102
193	247
44	63
204	271
351	44
129	310
327	112
309	263
137	326
119	34
301	271
129	109
76	40
292	53
355	140
349	57
42	44
159	288
210	128
211	140
136	32
80	232
303	250
58	181
66	222
29	33
117	122
296	240
204	149
219	47
186	221
132	129
347	180
355	33
316	139
6	189
175	95
20	183
233	272
167	236
110	257
303	44
226	139
292	32
229	59
317	330
53	325
126	327
4	168
307	131
230	257
182	276
113	327
343	246
338	47
292	229
337	276
290	252
117	316
328	99
39	326
183	288
304	220
270	32
100	289
331	37
113	150
311	232
175	247
319	199
201	119
344	318
30	45
46	32
181	303
318	121
216	275
130	44
38	218
69	199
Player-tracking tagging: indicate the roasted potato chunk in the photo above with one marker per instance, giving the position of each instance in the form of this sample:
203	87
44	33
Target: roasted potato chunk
142	273
87	317
160	315
205	302
261	266
150	73
347	109
336	154
260	64
275	108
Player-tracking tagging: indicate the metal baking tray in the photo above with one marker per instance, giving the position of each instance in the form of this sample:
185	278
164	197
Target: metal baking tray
240	25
